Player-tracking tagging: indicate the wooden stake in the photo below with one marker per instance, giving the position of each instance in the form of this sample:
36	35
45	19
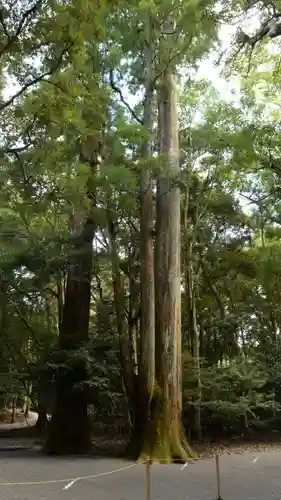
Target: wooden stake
218	477
148	489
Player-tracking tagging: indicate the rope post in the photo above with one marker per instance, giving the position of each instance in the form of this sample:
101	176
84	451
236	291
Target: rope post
218	477
148	488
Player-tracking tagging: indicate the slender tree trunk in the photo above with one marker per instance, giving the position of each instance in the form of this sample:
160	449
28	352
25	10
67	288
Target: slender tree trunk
133	316
195	353
202	334
28	386
194	338
60	297
167	436
214	291
14	407
42	421
190	293
125	351
26	404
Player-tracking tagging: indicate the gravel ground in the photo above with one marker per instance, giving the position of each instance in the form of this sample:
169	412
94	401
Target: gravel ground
251	476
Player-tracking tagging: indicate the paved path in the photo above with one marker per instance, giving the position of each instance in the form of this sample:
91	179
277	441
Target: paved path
30	421
244	477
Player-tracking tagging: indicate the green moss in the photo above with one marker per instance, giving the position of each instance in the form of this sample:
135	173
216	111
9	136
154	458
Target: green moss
164	441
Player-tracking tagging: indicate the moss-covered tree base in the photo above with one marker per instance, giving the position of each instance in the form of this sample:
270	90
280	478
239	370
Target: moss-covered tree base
162	441
166	446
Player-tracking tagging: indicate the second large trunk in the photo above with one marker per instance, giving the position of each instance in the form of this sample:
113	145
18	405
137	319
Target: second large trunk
69	430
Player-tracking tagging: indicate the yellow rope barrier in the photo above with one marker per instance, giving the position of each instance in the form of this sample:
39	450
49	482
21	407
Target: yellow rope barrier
70	480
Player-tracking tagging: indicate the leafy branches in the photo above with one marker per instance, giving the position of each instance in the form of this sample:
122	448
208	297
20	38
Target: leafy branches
40	78
25	19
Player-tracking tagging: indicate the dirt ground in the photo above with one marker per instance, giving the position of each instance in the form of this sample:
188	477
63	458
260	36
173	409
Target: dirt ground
116	446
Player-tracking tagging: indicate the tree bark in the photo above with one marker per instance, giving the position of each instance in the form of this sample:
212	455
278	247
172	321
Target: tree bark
14	407
42	420
167	439
146	358
69	430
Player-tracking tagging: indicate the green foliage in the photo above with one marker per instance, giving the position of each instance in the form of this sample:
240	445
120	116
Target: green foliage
70	149
233	393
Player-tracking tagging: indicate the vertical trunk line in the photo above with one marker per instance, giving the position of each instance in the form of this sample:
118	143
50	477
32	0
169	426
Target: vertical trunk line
147	320
146	355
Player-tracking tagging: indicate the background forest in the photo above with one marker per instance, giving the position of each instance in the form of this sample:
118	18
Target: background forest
89	117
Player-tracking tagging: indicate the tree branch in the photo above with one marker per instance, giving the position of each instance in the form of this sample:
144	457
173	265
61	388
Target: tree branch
25	322
18	150
13	38
37	79
119	91
271	28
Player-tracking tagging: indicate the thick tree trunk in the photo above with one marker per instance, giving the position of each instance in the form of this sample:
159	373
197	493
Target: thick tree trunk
146	359
167	439
69	430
